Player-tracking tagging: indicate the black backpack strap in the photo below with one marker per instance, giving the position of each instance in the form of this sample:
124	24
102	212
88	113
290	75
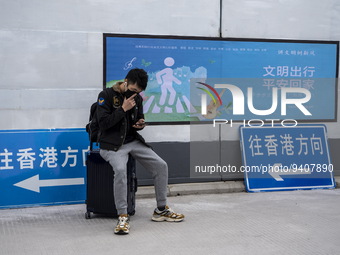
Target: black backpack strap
93	118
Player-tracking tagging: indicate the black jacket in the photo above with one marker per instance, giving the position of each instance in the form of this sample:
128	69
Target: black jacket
112	119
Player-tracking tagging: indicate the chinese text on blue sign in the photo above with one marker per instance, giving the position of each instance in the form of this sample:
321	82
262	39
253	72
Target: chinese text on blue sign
286	158
42	167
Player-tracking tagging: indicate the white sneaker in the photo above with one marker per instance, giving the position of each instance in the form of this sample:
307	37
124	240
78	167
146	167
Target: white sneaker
123	226
167	215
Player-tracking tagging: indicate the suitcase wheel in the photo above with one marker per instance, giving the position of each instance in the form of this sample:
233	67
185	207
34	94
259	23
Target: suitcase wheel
88	215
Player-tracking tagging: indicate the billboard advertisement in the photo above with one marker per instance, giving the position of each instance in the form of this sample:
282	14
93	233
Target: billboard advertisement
266	74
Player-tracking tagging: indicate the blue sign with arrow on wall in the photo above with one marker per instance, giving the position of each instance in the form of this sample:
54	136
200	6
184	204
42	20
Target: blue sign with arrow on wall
42	167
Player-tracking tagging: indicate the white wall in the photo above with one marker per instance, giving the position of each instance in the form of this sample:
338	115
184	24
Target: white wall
282	19
51	51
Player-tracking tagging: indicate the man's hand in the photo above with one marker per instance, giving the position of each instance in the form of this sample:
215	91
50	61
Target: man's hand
129	103
140	124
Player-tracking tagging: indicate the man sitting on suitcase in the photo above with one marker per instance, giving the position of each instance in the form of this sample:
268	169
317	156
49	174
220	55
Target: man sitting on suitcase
120	116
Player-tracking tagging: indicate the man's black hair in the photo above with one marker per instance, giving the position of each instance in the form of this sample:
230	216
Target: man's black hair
138	76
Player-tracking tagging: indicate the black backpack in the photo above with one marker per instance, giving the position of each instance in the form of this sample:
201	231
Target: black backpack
92	128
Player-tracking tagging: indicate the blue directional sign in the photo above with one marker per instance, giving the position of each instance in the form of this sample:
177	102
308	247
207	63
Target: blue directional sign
42	167
286	158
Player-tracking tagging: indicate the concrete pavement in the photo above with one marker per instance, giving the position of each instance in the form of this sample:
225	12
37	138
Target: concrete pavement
290	222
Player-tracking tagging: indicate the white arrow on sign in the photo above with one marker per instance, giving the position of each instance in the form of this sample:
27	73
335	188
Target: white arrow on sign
277	171
33	183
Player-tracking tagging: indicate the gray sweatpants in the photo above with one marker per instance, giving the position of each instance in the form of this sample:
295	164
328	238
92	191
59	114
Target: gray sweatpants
149	159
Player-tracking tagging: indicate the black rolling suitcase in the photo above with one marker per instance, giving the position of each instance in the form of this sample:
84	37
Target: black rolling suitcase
100	198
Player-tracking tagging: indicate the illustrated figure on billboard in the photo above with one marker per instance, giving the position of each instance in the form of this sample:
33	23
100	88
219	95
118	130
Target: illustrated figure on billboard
129	64
166	78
